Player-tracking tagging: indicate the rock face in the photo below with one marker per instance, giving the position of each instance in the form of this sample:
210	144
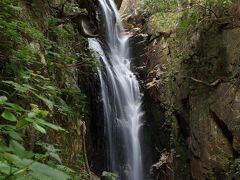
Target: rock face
128	6
227	95
213	105
192	100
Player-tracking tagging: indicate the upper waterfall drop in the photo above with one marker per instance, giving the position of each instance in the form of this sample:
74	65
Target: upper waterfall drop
120	95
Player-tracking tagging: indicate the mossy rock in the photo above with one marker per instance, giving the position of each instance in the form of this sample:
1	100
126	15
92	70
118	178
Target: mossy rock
163	22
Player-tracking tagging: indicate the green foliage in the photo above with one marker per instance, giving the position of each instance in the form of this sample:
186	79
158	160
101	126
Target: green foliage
163	22
234	172
190	18
159	5
38	79
223	3
24	58
109	175
184	14
80	175
50	151
15	160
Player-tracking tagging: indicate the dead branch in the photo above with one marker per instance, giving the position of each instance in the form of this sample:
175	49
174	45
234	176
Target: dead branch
163	167
214	83
160	34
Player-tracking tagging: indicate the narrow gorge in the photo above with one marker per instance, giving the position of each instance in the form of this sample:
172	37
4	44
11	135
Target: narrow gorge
119	89
121	97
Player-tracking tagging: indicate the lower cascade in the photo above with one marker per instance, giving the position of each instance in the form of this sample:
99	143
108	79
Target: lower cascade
120	95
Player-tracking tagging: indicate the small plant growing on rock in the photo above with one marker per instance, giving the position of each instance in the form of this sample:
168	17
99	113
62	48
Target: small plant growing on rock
109	175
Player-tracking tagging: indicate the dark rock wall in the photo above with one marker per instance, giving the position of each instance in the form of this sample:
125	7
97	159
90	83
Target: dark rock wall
192	100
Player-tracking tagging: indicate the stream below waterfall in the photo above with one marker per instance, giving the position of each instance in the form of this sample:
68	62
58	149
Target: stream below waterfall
120	96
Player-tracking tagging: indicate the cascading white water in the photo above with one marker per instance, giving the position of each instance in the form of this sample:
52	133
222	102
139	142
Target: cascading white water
121	97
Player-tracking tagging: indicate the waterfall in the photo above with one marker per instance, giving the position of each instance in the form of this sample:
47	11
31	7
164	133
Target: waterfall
120	95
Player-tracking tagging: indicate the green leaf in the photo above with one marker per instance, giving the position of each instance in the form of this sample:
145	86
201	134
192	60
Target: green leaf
110	175
3	148
53	126
13	159
19	150
39	176
4	168
47	171
9	116
3	99
18	172
11	131
15	135
43	113
39	128
17	87
50	125
16	8
65	169
45	100
29	119
32	114
51	150
55	156
15	106
22	123
41	157
16	146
